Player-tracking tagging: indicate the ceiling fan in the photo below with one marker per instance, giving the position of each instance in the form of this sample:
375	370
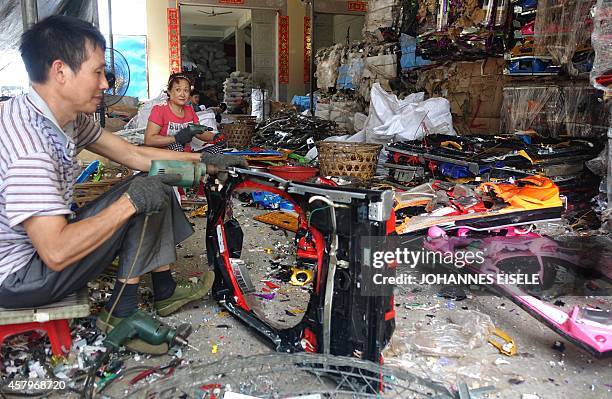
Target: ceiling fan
213	13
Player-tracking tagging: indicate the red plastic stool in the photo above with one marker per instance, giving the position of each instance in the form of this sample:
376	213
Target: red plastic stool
51	319
58	332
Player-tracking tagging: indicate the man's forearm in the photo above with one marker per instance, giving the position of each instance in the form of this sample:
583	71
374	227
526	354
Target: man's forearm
143	156
86	235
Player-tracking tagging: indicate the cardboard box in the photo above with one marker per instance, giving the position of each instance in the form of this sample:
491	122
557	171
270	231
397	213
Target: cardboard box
474	90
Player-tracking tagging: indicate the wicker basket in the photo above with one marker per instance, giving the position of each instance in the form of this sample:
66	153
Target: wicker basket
338	158
111	175
247	119
238	135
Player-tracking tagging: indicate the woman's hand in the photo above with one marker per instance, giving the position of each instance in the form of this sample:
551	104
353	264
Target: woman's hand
206	137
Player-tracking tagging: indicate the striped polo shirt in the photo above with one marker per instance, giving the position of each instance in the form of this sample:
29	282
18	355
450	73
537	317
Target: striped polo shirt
38	168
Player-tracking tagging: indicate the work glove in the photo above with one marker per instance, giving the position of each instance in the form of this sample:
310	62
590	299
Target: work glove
185	135
217	138
149	194
221	162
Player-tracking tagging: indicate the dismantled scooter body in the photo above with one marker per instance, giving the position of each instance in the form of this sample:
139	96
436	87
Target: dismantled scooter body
525	252
339	318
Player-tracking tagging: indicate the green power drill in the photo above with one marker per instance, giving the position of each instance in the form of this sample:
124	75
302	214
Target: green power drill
142	326
191	172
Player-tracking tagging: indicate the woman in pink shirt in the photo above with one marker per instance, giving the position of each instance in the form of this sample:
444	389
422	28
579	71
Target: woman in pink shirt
167	126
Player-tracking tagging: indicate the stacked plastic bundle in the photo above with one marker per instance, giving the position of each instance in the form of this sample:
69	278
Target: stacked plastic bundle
237	89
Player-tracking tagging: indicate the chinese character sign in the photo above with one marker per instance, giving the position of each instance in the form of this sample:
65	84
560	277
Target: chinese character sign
283	49
174	40
360	6
307	48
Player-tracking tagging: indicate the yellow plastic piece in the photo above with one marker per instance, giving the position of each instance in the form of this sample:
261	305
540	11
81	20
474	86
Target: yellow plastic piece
507	346
451	144
300	277
199	212
524	154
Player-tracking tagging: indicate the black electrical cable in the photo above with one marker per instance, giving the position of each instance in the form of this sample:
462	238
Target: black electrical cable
91	376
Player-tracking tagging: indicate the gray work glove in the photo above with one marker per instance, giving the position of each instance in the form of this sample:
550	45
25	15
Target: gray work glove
149	194
221	162
185	135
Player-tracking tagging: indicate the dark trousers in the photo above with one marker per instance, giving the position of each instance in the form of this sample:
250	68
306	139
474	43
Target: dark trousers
36	284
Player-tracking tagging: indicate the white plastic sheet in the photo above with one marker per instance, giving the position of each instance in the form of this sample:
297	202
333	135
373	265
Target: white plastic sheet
142	117
391	119
260	105
206	118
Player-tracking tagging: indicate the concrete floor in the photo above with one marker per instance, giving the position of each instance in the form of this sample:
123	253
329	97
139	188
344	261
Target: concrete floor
537	368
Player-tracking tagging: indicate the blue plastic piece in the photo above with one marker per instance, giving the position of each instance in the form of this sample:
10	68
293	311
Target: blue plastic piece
459	171
344	81
528	5
532	66
89	170
303	102
409	59
525	138
271	201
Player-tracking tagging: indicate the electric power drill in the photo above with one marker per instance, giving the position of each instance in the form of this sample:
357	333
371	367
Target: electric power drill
148	329
191	172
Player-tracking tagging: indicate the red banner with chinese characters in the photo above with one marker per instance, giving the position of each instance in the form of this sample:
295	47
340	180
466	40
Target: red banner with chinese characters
283	49
307	49
360	6
231	1
174	40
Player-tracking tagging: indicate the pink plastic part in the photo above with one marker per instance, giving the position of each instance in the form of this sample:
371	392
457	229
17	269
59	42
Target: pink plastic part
463	232
528	28
436	232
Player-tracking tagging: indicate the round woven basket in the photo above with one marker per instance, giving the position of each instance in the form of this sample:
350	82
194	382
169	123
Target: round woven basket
248	119
338	158
111	175
237	135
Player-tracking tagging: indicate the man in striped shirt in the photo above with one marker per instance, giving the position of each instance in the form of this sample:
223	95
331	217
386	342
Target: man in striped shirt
46	251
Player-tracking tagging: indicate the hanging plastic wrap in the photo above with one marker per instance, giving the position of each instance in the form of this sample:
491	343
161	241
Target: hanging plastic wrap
602	67
585	115
527	108
563	28
554	111
328	61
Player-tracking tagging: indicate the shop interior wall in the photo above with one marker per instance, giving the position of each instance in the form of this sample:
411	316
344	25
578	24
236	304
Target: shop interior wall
157	44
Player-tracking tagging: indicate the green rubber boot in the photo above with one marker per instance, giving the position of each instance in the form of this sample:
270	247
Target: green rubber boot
185	293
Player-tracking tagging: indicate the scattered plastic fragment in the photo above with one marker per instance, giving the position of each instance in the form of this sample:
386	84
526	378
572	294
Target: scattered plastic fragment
269	296
507	346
